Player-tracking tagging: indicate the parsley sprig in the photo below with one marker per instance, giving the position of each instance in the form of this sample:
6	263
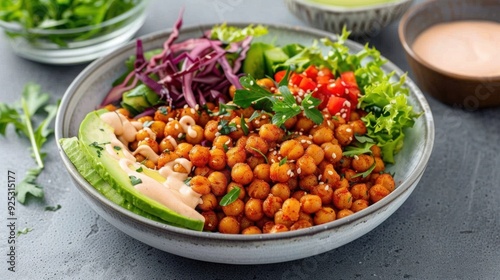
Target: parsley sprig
283	104
20	115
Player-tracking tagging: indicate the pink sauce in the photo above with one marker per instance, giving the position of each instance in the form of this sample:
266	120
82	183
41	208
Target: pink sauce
470	48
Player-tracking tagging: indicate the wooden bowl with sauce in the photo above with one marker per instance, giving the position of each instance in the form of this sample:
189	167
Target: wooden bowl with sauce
452	48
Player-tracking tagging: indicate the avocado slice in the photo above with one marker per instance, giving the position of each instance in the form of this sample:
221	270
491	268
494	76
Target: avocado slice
94	133
254	63
139	98
73	149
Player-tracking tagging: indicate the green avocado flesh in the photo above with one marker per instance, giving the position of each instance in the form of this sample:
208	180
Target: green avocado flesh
103	172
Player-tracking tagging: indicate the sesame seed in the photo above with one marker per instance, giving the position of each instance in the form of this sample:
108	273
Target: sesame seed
257	122
219	127
299	170
327	187
348	130
264	117
311	107
356	157
319	177
217	134
346	91
321	183
344	115
302	141
193	111
310	136
170	119
330	172
228	141
334	155
179	135
186	106
309	101
238	126
176	126
197	107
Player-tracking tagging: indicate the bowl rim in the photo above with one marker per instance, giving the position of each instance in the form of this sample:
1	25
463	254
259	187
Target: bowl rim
16	27
416	10
85	186
342	9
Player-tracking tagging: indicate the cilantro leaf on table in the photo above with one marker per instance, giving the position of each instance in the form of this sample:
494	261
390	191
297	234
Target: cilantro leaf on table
20	115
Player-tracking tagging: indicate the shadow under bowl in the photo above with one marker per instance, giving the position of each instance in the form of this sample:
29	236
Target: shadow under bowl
467	92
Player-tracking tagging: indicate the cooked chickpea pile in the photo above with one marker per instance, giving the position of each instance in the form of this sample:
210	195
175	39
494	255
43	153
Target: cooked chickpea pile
288	179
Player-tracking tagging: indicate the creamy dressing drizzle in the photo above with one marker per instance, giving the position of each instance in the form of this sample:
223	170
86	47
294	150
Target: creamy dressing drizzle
147	152
187	123
173	193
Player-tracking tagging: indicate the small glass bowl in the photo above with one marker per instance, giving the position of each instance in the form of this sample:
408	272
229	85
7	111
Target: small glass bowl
77	45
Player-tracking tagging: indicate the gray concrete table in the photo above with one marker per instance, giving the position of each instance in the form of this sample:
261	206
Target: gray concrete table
449	228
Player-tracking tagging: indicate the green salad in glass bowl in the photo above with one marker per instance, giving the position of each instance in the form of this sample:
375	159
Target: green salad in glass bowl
69	31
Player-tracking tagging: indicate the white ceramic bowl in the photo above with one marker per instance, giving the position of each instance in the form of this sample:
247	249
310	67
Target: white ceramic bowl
361	21
38	45
90	87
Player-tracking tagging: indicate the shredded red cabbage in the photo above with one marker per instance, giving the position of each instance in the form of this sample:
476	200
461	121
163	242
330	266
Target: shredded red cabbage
191	72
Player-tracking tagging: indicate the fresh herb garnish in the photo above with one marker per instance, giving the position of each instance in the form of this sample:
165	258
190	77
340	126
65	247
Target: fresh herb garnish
24	231
244	126
225	147
259	152
117	148
134	180
230	197
226	127
98	147
367	172
358	149
224	109
188	179
139	169
20	116
283	161
283	104
53	208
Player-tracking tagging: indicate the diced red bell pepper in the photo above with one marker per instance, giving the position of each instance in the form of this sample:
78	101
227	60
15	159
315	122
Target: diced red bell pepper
325	72
307	84
339	106
278	76
311	72
336	88
295	79
323	97
349	79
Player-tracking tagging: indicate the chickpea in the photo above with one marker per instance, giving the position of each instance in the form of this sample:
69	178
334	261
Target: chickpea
158	127
330	175
253	209
333	152
233	185
150	143
293	183
360	191
183	150
273	156
149	164
359	204
358	126
164	113
344	134
305	165
344	213
235	208
110	107
279	218
271	205
165	144
195	139
386	181
266	228
202	171
124	112
229	225
242	173
291	149
241	142
316	152
235	155
376	151
308	182
322	135
211	130
304	124
270	132
256	146
306	217
139	158
325	193
257	123
222	142
324	215
259	189
291	209
142	134
300	224
217	159
298	194
342	198
304	140
290	123
180	168
251	230
239	127
266	83
281	190
211	220
278	228
166	157
173	128
362	163
245	222
344	162
218	183
191	112
262	172
280	173
379	165
342	183
310	203
377	192
338	121
199	155
200	184
232	91
208	202
352	176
